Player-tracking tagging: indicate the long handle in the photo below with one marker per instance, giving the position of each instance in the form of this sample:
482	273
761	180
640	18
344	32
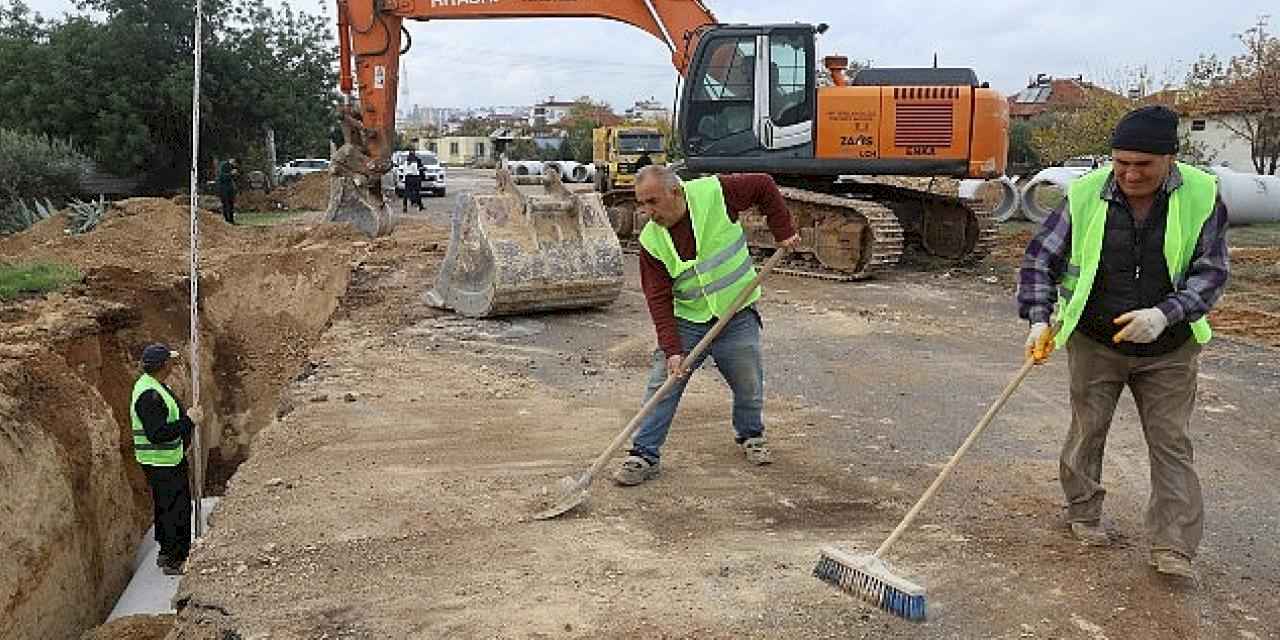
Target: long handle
946	470
702	346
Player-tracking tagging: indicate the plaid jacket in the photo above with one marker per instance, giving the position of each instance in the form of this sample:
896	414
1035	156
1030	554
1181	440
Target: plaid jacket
1046	260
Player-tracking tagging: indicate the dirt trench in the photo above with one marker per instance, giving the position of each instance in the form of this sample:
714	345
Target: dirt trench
73	503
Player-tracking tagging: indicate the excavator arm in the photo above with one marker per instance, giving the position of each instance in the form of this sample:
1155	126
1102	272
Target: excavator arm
370	37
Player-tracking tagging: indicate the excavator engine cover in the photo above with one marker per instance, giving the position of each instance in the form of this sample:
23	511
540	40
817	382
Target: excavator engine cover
533	246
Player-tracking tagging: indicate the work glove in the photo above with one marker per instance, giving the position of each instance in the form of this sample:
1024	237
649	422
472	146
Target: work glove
1141	326
195	414
1039	342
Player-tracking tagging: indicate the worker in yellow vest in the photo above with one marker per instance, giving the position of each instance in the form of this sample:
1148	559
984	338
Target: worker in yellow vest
1133	261
695	262
160	429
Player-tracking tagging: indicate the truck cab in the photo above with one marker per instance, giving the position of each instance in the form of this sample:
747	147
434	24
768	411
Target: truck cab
619	152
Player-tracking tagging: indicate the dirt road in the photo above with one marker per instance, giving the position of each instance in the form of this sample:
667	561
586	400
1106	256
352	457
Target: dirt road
391	501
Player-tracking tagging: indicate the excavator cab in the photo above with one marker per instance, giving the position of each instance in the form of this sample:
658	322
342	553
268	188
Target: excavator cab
750	95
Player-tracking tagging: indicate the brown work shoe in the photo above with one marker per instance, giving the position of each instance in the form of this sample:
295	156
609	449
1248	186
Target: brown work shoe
1172	563
635	470
757	450
1090	533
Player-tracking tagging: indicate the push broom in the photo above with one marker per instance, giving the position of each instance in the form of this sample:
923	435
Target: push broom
868	576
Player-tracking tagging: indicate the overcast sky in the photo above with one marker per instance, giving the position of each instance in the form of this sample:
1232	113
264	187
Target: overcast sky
519	62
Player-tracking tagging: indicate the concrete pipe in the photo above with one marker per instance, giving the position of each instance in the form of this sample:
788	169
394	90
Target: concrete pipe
1250	198
1053	179
1009	205
580	172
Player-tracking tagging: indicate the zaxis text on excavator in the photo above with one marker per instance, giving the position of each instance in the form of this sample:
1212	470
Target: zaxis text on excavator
752	101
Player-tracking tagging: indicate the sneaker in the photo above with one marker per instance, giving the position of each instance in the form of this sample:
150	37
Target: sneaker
635	470
1090	533
1172	563
757	450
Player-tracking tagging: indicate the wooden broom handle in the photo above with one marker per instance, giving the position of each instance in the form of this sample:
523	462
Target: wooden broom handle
946	470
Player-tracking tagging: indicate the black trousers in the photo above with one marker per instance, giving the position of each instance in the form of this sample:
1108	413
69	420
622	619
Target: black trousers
229	208
413	192
171	497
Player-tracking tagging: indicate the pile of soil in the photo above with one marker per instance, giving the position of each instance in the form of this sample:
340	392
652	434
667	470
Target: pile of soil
309	193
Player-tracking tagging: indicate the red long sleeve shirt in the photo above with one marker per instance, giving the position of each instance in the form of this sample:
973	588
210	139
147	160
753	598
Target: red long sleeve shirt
741	192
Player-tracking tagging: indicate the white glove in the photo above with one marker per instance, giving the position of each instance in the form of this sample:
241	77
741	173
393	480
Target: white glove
1141	326
1039	342
195	414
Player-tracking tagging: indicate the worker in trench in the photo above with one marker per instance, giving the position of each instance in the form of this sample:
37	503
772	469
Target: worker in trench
693	265
161	429
1139	252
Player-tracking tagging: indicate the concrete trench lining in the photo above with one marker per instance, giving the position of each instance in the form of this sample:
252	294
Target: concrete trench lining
150	591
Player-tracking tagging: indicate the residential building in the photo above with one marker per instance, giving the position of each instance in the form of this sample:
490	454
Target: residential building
459	150
1046	93
549	112
1213	120
648	111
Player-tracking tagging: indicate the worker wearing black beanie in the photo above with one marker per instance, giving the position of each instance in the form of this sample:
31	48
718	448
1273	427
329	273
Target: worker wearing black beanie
1136	316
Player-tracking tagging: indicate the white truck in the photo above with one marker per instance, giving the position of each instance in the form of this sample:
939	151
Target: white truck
434	180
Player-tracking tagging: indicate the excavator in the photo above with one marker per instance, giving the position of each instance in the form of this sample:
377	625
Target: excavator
753	99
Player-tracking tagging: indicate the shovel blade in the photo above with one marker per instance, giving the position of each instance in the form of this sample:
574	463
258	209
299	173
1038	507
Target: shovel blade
571	493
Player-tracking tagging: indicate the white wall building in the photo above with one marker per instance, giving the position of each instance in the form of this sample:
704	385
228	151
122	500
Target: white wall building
550	112
648	111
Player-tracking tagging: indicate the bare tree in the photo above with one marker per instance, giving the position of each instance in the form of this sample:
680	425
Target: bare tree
1246	90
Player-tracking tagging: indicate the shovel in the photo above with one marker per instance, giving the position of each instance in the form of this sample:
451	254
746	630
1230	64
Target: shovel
573	490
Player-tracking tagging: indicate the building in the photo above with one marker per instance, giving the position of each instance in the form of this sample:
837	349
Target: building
1210	121
459	151
1045	94
648	111
550	112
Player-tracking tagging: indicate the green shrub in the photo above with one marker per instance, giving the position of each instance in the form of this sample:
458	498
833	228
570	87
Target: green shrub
36	168
39	277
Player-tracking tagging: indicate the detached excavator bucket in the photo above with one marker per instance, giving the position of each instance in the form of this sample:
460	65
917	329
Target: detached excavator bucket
533	246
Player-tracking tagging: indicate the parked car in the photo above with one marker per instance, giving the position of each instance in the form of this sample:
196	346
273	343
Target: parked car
433	173
294	169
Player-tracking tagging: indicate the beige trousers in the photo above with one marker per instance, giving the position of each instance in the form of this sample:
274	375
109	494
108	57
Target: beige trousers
1164	388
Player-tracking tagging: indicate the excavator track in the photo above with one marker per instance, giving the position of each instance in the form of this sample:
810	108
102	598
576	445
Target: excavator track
949	227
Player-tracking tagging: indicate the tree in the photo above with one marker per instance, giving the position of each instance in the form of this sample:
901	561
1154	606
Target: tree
583	117
522	149
475	127
1083	131
1247	90
116	80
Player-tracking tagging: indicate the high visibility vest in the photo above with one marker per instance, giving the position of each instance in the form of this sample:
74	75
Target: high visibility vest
705	287
166	454
1190	206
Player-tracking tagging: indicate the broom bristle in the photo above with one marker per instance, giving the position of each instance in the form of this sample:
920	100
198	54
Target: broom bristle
869	579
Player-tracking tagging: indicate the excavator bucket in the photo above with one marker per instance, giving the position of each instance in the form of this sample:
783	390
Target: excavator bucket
532	246
355	196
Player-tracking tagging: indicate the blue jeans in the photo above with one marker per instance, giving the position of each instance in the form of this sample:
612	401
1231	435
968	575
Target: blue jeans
737	354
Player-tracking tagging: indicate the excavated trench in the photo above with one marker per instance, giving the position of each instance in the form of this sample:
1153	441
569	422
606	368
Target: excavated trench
73	503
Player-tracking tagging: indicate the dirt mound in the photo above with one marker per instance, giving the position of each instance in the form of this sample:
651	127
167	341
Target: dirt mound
152	235
133	628
310	193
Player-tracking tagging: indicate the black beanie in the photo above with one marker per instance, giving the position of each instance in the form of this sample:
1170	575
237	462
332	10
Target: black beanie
1152	129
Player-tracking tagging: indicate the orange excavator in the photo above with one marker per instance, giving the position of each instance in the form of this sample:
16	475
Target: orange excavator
753	99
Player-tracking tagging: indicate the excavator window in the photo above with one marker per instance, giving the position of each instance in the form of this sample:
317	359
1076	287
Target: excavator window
788	79
723	89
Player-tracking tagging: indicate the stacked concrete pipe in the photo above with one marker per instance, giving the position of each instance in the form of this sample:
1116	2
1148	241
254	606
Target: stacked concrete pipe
1053	177
1010	205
